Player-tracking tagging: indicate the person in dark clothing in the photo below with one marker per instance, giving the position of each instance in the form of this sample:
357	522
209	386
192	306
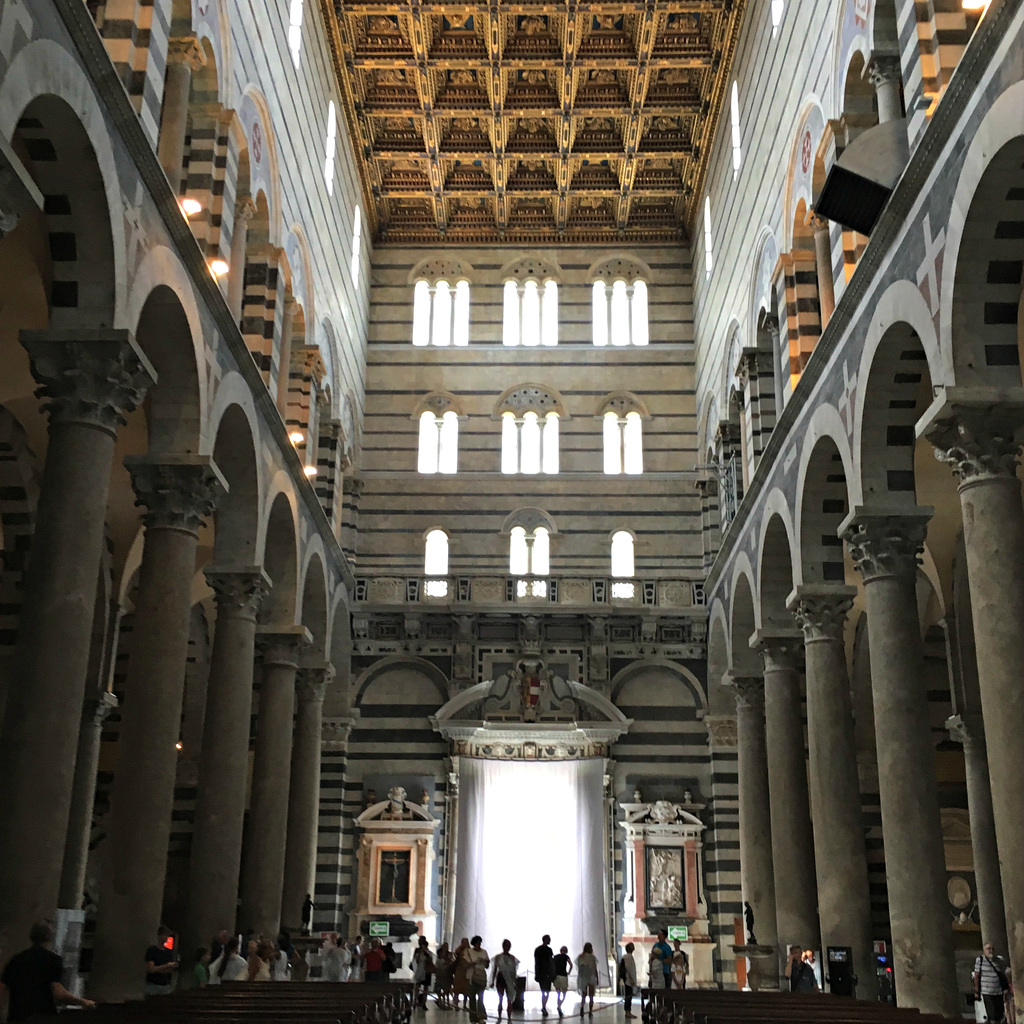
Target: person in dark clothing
32	980
307	913
801	974
544	971
161	963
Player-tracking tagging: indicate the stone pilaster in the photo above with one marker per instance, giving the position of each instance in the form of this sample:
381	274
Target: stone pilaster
88	382
756	867
263	872
304	793
792	836
177	494
978	432
224	758
840	857
885	549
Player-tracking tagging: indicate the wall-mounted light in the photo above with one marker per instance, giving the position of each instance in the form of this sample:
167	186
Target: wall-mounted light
177	746
296	437
310	471
975	5
218	268
190	206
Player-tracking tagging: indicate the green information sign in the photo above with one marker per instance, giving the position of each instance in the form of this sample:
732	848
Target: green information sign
675	931
380	929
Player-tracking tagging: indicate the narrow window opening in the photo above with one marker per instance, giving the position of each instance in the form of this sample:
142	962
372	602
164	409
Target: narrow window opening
599	309
435	563
622	565
461	329
709	258
295	31
737	141
442	326
357	244
549	328
331	142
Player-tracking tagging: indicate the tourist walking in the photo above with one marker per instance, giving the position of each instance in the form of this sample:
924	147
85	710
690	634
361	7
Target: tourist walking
461	969
504	975
627	975
229	966
330	957
990	982
32	979
479	961
800	973
680	966
373	962
161	963
586	976
357	962
422	972
563	968
444	965
544	971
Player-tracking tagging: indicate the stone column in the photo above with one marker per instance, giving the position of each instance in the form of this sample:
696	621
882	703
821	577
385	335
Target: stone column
178	493
756	871
76	848
823	262
304	794
224	757
285	363
979	434
184	55
263	877
245	210
792	836
840	857
970	732
88	382
885	74
885	550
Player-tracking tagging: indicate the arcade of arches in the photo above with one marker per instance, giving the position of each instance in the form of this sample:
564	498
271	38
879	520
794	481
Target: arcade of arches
393	397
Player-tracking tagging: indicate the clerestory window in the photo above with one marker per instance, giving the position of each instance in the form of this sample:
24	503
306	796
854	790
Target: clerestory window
530	312
623	568
528	443
623	443
529	554
440	313
438	442
620	312
435	564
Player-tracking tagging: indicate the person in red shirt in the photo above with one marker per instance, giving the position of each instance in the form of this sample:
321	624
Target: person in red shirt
374	961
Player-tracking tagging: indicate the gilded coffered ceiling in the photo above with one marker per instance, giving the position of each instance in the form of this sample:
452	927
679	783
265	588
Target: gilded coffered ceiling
533	122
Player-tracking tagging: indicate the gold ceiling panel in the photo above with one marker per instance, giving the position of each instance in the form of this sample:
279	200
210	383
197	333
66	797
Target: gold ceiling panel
533	123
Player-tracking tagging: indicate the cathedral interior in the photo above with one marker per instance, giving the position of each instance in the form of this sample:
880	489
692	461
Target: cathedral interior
433	431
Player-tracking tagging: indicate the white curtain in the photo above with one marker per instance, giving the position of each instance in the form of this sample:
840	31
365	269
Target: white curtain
531	856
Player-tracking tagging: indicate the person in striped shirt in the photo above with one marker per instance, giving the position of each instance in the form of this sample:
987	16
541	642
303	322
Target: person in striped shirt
990	981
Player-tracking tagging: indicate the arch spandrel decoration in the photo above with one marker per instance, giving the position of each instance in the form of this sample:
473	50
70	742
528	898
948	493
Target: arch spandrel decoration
442	268
534	268
530	398
619	268
530	714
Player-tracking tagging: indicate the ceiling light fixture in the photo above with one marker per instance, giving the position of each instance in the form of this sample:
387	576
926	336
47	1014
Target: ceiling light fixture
218	268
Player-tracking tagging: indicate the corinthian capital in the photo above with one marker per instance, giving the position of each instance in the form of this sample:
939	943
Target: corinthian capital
821	610
312	682
781	652
91	377
239	591
186	50
177	492
721	730
884	545
282	645
749	691
977	432
883	68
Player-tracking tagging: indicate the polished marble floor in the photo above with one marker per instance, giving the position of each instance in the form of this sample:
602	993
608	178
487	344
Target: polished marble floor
607	1010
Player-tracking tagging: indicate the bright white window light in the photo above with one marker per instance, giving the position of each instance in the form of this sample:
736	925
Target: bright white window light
737	150
357	244
435	563
633	444
638	313
421	313
428	444
709	258
549	313
530	334
442	326
599	308
622	565
529	444
778	8
510	314
620	314
460	331
329	145
612	436
509	443
550	443
295	31
518	553
448	449
540	564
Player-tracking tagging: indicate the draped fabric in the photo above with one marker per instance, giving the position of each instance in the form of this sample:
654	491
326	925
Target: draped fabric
531	856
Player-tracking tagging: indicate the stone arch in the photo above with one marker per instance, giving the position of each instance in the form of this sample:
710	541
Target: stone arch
262	159
718	641
237	516
532	266
980	298
280	557
622	402
523	398
438	402
339	652
313	607
328	341
775	564
619	267
823	502
529	518
48	110
425	669
678	673
300	272
210	24
849	40
437	268
708	428
762	292
743	624
803	170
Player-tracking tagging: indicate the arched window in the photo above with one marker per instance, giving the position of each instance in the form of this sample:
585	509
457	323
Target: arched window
329	146
737	138
529	554
778	9
357	244
435	563
622	565
439	443
709	258
440	313
623	442
530	312
529	444
620	312
295	30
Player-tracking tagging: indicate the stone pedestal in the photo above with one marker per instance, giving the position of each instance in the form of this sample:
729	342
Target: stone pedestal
263	876
792	836
304	794
762	975
885	549
840	857
178	494
224	758
978	432
756	869
88	381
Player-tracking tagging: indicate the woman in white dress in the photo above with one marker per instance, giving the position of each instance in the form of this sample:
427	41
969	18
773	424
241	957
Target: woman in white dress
330	957
504	973
229	966
586	976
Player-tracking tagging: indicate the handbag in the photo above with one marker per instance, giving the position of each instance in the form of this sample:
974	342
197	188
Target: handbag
980	1017
478	976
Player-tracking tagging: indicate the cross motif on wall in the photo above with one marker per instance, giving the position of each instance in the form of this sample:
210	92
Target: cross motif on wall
136	239
931	269
846	408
